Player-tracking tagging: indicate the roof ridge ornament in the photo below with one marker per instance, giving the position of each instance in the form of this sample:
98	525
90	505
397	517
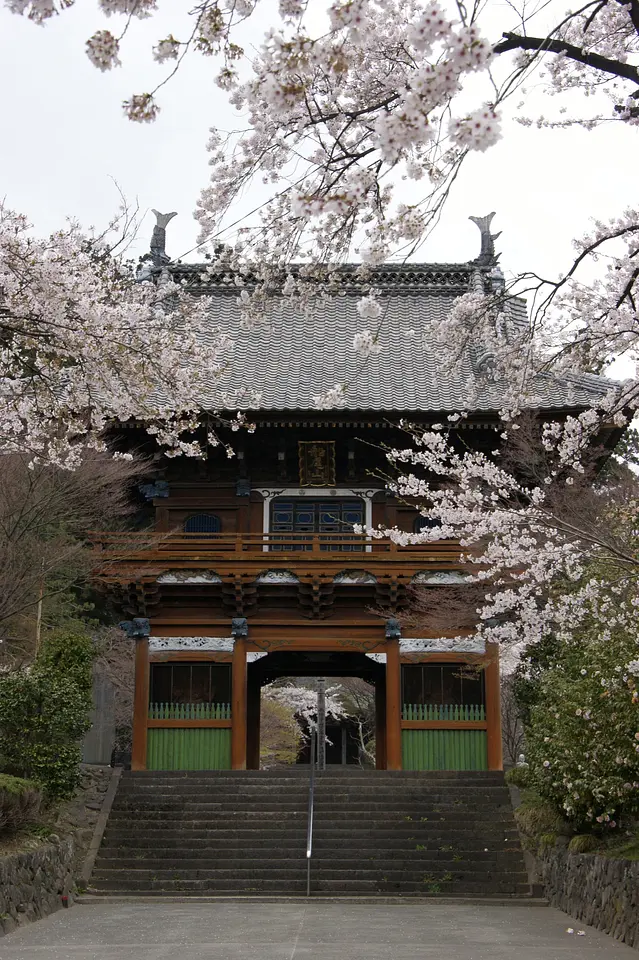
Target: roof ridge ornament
487	256
159	256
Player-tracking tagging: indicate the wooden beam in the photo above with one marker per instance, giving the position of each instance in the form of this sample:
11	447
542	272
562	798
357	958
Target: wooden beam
238	705
380	724
253	705
140	704
393	707
168	656
472	658
493	707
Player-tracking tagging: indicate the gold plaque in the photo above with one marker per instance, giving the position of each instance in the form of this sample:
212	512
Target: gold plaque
317	463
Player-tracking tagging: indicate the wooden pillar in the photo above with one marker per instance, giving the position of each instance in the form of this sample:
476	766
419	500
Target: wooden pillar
380	723
393	707
140	704
493	707
253	705
238	705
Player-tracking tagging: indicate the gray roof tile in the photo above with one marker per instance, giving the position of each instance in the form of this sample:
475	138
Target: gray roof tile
295	355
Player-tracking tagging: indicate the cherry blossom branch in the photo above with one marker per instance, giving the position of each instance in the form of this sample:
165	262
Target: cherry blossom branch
513	41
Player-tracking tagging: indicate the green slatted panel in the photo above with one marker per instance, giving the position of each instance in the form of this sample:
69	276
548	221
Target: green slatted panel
444	749
189	748
429	711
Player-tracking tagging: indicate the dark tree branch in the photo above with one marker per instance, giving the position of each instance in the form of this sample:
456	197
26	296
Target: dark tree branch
512	41
633	11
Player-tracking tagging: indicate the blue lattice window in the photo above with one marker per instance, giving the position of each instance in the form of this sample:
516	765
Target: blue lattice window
203	523
424	523
317	516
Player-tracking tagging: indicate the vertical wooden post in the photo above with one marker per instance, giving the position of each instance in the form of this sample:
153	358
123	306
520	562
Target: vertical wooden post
321	723
238	705
380	723
393	707
140	704
493	707
253	705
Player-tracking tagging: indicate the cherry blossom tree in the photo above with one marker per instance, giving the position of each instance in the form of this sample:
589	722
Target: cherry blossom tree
349	101
84	345
302	700
345	107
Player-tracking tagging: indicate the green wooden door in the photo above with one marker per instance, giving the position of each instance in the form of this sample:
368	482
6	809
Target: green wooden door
189	748
445	748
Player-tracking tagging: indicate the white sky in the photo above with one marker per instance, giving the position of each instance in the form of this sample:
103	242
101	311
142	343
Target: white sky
64	137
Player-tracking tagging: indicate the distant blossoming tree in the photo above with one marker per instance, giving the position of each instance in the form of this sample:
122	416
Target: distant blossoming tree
302	700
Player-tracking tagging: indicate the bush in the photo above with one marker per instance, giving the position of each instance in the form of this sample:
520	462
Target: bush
20	802
583	843
44	712
538	820
280	734
519	777
68	654
583	733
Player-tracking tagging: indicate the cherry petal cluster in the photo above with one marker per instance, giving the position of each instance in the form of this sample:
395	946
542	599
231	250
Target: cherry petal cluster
548	569
167	49
366	345
82	345
103	49
303	701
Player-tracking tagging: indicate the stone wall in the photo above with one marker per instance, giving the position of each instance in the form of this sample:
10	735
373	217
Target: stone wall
601	892
78	817
33	884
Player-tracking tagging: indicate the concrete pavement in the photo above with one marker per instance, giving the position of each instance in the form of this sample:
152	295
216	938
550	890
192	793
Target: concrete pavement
308	931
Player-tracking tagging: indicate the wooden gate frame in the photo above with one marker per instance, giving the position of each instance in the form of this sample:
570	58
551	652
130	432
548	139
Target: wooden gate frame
392	748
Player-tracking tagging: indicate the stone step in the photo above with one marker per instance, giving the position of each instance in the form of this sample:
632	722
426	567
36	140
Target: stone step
270	813
321	783
237	788
455	838
326	803
333	773
300	786
365	847
244	832
289	872
432	836
403	815
352	886
276	865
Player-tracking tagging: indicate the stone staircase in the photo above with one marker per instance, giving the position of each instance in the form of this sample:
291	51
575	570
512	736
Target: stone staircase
223	833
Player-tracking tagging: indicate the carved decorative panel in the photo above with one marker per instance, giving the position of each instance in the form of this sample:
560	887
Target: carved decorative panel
317	463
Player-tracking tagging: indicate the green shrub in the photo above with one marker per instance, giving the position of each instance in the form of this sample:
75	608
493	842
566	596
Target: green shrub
537	817
583	735
519	777
20	802
626	848
44	712
68	654
546	841
584	843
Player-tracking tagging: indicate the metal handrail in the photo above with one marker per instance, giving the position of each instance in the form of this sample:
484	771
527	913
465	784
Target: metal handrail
311	803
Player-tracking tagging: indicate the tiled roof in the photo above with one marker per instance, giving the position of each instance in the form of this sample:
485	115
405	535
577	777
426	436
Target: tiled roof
295	355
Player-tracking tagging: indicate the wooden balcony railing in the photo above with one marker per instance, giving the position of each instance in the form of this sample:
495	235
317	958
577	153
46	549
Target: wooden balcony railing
149	545
128	556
